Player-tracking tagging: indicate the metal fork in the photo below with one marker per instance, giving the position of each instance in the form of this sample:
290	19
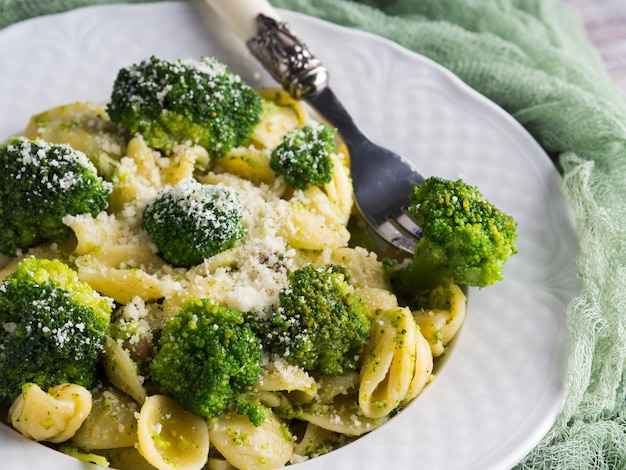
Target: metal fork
382	180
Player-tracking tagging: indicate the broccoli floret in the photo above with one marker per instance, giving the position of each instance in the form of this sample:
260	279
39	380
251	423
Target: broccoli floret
206	358
465	240
303	157
40	183
197	101
320	323
190	222
52	327
249	404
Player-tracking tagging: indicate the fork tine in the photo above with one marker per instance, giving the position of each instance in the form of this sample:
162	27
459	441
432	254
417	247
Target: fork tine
391	233
407	223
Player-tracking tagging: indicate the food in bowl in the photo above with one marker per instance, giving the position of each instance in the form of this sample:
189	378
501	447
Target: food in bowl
214	282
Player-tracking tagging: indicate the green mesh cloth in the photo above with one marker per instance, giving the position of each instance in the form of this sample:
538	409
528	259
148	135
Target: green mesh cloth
532	58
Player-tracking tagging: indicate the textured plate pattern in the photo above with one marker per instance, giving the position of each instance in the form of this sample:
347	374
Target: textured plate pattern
503	385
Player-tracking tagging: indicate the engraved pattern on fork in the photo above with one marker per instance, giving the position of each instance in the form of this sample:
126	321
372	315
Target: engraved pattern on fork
287	58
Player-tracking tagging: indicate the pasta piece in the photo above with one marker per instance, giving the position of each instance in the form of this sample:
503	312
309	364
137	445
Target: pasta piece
171	437
111	424
198	289
279	375
122	371
389	364
144	171
9	268
113	241
343	416
332	386
377	299
137	176
123	285
318	202
53	251
339	190
127	458
314	222
248	163
85	127
54	416
216	463
272	399
364	268
315	442
281	114
441	323
250	447
423	368
182	163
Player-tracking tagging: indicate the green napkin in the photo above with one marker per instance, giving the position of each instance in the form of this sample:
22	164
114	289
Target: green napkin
533	59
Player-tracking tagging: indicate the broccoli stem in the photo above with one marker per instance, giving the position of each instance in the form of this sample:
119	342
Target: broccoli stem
414	280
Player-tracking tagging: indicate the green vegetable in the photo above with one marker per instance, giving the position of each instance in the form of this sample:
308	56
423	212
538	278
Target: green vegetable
84	456
303	157
52	327
249	404
40	183
171	103
320	324
466	240
207	357
191	221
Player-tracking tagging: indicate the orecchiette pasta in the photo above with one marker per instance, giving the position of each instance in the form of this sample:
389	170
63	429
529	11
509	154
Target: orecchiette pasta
248	163
332	386
122	371
441	323
314	222
251	447
123	285
377	299
52	416
84	126
423	368
281	113
279	375
219	464
111	424
365	269
138	174
182	164
339	190
126	457
390	371
315	441
171	438
342	416
113	241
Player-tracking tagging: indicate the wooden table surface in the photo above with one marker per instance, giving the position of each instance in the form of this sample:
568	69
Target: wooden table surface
605	23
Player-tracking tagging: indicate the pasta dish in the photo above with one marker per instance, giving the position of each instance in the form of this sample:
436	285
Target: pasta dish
235	314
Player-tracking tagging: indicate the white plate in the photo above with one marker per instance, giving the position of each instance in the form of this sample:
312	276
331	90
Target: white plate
504	383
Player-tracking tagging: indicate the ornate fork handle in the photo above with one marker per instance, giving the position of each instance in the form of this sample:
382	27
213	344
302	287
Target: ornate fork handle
287	58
